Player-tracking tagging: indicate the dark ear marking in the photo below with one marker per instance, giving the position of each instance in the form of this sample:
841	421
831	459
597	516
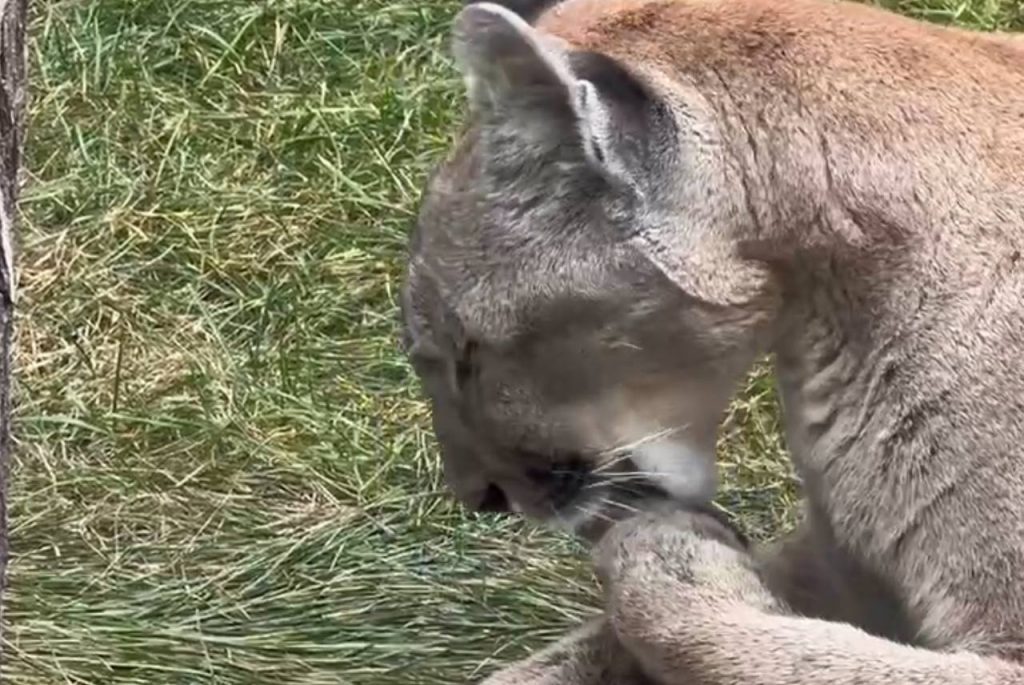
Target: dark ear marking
581	104
641	121
465	364
528	10
614	83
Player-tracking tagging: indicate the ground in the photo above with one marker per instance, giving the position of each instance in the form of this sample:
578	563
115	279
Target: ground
224	471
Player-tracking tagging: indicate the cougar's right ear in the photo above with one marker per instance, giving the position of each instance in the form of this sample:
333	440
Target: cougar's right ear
510	66
528	10
545	95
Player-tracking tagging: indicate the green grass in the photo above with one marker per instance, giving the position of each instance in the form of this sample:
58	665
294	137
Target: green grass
224	472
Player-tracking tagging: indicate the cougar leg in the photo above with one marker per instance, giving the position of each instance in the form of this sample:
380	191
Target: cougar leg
591	655
809	572
694	611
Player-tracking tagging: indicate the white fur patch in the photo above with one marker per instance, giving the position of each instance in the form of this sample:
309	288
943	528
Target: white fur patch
685	472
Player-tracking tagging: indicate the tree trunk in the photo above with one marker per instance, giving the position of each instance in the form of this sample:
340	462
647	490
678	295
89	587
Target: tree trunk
12	132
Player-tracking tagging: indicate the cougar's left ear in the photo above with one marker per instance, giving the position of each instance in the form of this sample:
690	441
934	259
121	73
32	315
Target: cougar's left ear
523	79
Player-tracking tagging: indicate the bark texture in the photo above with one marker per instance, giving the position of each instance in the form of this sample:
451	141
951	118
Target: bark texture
12	132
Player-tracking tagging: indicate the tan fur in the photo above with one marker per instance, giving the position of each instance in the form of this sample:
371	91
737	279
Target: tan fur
683	607
838	186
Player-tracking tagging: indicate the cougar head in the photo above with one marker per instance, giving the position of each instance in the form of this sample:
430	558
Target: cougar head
575	304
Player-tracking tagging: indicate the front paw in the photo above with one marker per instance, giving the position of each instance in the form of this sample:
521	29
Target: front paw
670	565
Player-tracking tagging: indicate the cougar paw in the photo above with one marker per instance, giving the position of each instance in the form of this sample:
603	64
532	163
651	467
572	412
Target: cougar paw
663	567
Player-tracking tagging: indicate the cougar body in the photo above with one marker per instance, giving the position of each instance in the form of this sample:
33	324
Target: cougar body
651	193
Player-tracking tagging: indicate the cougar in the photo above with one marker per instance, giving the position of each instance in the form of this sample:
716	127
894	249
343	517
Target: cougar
648	196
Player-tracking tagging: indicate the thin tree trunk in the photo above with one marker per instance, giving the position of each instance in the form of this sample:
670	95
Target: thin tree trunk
12	132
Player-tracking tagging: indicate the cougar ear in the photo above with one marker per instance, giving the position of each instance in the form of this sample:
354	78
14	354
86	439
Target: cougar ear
529	10
521	77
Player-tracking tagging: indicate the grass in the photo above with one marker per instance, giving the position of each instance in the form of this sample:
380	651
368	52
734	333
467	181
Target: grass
224	472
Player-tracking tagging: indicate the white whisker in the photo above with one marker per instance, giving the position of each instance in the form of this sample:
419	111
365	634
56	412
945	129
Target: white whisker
622	452
614	461
622	505
592	513
631	475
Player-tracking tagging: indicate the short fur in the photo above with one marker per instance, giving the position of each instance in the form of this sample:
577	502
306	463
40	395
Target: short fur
652	193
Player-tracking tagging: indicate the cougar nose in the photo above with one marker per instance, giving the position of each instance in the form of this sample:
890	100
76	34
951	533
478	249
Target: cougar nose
493	500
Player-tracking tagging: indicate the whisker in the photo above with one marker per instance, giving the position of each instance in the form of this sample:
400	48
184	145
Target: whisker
594	513
622	505
650	437
622	452
633	488
632	475
615	461
619	479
